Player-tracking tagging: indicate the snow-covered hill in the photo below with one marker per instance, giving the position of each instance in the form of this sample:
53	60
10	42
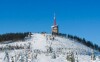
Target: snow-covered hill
46	48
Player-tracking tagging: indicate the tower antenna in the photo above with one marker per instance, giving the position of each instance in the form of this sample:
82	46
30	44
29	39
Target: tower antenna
54	19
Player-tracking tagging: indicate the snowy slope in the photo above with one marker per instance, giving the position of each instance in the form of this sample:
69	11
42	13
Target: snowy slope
46	48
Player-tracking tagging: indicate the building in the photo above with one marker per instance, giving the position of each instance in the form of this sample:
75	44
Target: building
55	27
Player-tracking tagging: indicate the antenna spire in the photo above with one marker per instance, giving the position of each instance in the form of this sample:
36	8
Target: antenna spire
54	20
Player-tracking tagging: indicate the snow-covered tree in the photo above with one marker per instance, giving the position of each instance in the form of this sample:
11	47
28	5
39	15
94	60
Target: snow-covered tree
12	59
50	50
70	57
54	56
21	57
6	58
93	56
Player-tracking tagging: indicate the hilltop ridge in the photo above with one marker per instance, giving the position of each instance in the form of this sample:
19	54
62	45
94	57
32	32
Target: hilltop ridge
46	48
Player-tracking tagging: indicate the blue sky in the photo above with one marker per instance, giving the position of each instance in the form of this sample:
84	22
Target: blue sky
76	17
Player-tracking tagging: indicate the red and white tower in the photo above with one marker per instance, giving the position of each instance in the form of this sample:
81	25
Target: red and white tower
55	27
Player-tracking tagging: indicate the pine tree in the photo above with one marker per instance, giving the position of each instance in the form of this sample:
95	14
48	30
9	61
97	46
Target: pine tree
54	56
50	50
70	57
22	57
6	56
93	56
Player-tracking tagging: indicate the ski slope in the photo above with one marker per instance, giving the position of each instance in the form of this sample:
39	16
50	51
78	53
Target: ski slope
46	48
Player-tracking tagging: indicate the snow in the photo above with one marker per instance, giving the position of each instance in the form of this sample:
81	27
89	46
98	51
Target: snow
40	43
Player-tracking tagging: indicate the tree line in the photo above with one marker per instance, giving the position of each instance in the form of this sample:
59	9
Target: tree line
13	36
81	40
21	36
